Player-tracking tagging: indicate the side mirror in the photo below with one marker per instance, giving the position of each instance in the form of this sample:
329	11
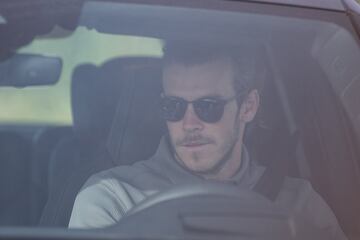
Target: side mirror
22	70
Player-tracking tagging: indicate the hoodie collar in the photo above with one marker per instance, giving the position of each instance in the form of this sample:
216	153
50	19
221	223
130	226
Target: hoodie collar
247	176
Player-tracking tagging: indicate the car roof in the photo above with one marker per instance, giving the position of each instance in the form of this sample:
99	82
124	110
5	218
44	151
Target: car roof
323	4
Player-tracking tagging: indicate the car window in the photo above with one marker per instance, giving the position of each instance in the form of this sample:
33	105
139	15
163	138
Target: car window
86	151
50	105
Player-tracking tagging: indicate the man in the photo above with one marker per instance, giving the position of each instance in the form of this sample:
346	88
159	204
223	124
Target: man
210	94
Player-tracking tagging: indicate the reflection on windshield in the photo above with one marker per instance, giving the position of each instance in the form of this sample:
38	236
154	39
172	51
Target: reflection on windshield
188	112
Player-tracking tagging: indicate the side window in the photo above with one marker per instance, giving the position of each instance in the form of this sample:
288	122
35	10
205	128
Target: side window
337	118
338	54
329	142
320	86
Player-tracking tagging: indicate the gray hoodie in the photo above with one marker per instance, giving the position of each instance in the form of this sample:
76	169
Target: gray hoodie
107	196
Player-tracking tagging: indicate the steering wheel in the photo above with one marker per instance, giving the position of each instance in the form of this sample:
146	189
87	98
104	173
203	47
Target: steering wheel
213	210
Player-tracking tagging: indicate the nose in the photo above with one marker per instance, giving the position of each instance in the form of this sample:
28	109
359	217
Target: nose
191	122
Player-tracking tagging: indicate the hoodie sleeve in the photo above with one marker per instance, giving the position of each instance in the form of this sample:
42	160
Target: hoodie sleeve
100	203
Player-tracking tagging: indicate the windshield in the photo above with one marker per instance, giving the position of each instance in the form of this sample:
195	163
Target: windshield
107	106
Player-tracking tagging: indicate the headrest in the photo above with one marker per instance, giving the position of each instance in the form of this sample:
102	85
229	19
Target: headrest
94	99
137	126
118	102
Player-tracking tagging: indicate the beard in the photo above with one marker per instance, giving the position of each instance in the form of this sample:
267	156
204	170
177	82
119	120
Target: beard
227	149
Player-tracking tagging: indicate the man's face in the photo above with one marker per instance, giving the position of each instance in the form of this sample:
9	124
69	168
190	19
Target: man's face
199	146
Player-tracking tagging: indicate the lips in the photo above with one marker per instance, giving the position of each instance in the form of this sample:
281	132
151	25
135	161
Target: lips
194	144
193	141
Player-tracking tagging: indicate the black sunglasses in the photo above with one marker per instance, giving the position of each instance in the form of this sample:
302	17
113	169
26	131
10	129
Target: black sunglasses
207	109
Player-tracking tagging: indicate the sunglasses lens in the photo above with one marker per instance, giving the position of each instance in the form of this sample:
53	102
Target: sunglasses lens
173	109
209	110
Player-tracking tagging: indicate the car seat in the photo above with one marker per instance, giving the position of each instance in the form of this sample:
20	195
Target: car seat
44	142
97	94
14	179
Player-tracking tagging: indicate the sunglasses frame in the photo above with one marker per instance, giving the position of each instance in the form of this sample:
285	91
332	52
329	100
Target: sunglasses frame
200	113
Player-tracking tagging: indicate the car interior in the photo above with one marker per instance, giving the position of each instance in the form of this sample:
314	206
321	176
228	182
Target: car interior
116	122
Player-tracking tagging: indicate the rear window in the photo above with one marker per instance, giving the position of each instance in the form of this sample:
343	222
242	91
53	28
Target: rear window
51	105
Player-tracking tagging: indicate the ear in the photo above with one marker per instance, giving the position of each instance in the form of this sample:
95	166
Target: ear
250	106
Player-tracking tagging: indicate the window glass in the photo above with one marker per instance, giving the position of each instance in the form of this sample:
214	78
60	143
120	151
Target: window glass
299	65
50	105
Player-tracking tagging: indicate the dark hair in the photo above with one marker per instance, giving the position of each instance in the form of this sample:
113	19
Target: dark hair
246	60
